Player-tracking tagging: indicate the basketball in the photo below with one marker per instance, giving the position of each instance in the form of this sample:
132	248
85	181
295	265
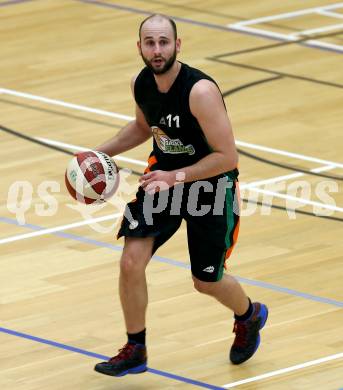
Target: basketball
91	177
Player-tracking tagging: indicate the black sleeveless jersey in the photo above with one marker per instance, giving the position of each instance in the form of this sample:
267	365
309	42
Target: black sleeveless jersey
178	138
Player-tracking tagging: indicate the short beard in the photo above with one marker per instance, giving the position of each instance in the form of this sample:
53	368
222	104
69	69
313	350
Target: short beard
168	64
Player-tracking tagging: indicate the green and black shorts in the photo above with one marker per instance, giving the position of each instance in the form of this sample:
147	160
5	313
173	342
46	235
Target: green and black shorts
210	209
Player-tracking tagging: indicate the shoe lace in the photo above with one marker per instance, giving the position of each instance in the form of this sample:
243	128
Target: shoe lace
240	329
123	354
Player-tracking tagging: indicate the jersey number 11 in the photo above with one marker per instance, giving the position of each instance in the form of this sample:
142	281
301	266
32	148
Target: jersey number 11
176	119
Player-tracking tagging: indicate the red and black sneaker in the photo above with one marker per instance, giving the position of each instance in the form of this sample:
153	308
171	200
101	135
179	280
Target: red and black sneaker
131	359
247	332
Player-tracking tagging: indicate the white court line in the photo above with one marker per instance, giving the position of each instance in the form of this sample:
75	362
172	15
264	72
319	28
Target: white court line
288	154
258	147
299	200
116	115
287	15
141	163
243	186
58	228
324	10
80	148
259	31
317	30
312	42
285	177
287	37
331	14
284	370
276	194
64	104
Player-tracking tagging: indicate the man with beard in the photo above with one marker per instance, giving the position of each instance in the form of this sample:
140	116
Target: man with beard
193	155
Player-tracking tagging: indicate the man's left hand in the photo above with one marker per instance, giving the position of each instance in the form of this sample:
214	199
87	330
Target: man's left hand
159	181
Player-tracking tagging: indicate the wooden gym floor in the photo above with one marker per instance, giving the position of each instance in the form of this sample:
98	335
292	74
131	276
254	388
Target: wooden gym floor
64	81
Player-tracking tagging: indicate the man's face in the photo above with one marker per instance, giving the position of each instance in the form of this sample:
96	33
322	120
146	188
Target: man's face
157	46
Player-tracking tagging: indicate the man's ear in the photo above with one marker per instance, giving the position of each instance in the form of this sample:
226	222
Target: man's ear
178	45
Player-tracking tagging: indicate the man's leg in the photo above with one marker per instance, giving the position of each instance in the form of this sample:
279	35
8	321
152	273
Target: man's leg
132	281
249	317
227	291
132	358
211	239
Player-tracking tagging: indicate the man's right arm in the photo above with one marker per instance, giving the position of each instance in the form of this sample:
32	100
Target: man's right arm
133	134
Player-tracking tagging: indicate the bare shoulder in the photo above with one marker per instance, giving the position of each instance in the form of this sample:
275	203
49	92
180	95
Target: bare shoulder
204	87
204	94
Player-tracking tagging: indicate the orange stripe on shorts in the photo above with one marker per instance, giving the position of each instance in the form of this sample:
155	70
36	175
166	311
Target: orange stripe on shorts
236	229
151	161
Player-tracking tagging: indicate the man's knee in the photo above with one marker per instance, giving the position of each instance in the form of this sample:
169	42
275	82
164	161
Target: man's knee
204	287
128	265
135	258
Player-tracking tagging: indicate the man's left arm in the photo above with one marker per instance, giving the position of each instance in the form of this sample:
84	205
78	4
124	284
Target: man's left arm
207	106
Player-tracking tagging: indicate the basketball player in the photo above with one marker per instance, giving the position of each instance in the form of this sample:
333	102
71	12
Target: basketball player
193	150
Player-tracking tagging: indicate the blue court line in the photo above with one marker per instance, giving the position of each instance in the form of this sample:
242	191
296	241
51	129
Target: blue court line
180	264
290	291
104	357
202	24
12	2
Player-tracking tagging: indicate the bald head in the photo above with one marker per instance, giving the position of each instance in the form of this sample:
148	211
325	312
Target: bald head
158	18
